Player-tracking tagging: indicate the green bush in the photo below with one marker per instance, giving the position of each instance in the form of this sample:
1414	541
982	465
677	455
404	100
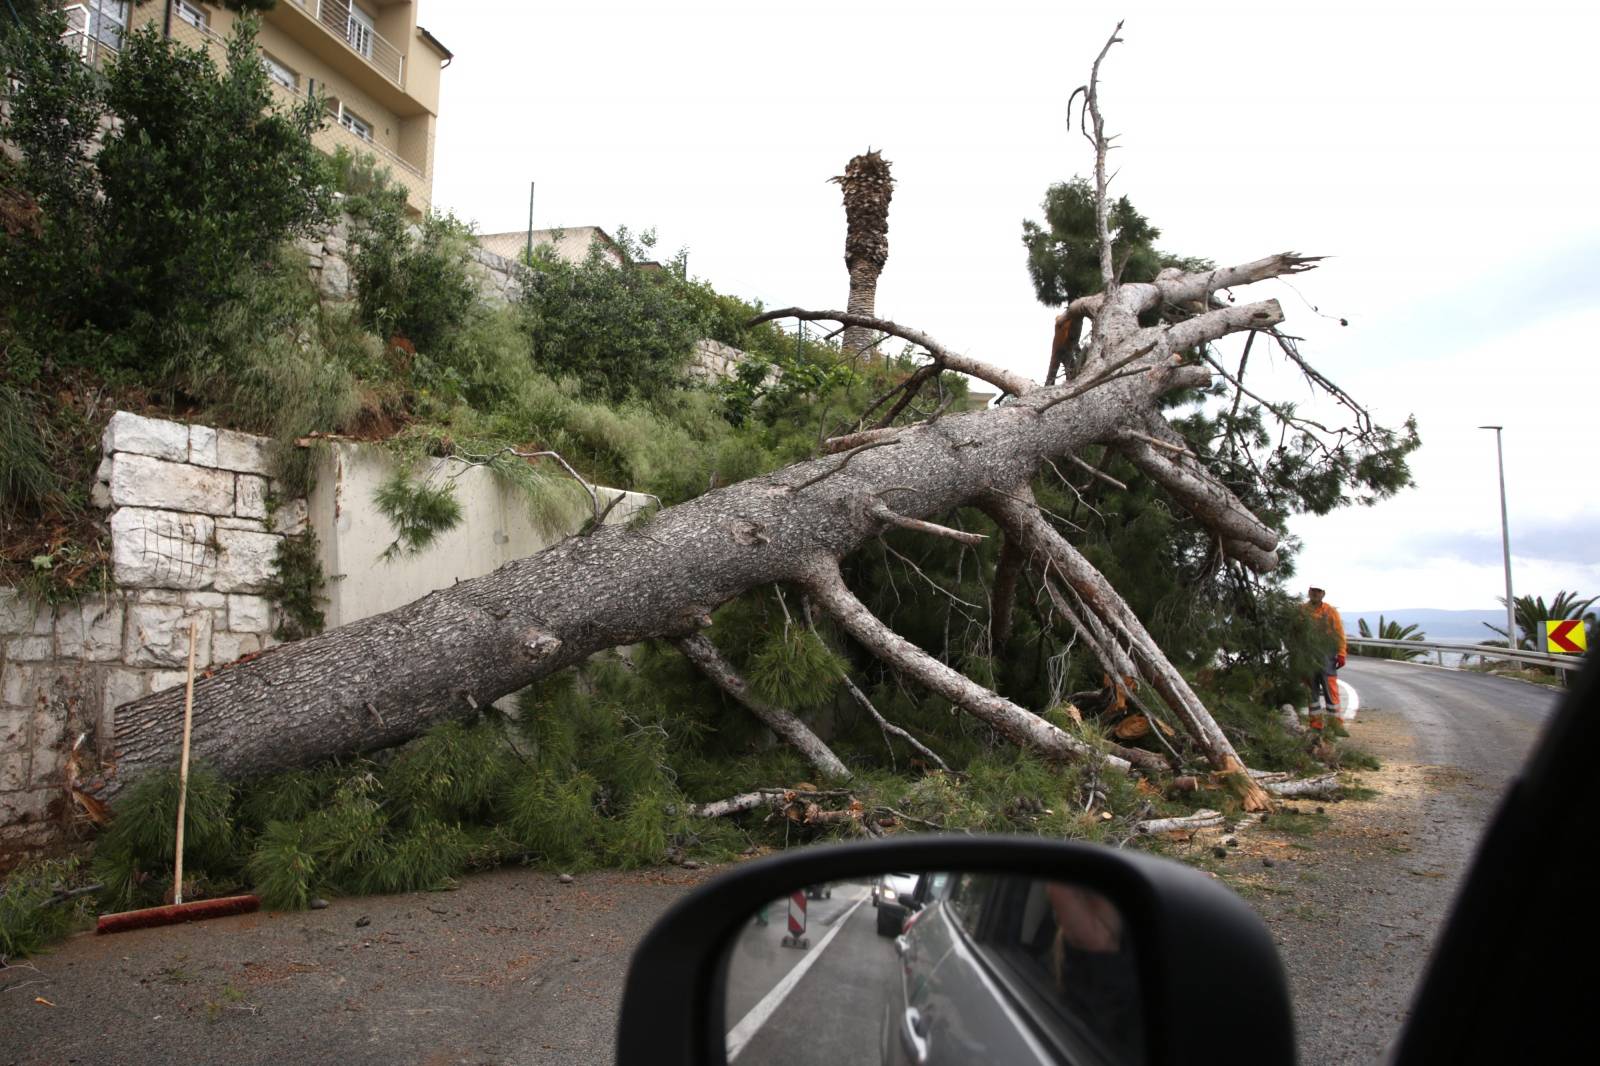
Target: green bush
151	223
416	289
622	332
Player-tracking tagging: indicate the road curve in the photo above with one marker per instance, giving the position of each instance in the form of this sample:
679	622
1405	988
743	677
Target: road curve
1479	723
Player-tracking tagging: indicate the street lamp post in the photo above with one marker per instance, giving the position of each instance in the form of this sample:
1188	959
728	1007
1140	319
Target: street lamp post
1505	540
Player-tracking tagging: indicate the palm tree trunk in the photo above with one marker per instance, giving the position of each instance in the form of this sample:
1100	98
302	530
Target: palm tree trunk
863	298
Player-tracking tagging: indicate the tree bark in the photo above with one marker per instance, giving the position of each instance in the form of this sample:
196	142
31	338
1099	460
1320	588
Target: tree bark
1187	824
1003	599
863	301
382	680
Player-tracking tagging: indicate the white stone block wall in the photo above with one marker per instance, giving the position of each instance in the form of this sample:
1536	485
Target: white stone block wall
714	361
328	257
194	526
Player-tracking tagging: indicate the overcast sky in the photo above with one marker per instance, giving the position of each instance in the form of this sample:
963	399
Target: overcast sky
1444	154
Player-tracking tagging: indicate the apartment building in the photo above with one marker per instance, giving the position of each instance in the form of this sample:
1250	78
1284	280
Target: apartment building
376	68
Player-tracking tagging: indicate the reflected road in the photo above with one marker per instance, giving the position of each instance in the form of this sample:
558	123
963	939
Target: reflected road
821	1004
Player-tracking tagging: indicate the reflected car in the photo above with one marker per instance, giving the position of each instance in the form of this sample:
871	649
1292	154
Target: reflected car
988	974
887	895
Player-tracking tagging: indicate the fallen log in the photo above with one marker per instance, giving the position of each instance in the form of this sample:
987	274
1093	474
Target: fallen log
1202	819
1323	786
799	806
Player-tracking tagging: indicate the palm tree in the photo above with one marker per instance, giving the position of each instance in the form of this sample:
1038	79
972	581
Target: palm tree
1391	631
1533	613
867	189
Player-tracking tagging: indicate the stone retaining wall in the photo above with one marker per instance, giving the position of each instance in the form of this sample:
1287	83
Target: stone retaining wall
195	522
328	258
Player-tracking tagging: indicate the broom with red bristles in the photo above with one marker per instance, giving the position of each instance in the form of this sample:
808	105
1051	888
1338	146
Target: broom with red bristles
179	911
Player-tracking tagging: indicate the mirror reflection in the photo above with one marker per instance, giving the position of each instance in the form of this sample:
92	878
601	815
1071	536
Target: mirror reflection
934	967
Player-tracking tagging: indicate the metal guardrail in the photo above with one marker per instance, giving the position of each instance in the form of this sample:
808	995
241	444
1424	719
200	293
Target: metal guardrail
1484	651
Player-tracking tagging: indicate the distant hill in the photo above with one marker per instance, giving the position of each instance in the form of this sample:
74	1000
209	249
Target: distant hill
1464	626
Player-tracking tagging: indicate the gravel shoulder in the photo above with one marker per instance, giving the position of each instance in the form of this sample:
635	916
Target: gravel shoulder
512	966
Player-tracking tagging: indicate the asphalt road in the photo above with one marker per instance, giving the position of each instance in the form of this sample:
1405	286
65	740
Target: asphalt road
832	1012
1476	722
1357	908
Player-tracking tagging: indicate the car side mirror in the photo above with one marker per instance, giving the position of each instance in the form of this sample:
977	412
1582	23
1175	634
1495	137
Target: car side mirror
1067	951
908	900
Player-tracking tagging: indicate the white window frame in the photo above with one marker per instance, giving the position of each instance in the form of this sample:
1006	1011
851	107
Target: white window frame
355	123
192	13
359	30
106	21
281	73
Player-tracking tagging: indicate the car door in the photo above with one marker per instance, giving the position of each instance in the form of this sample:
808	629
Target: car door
951	1010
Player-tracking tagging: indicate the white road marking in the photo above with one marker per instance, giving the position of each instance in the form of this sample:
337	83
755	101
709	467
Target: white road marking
1349	700
740	1034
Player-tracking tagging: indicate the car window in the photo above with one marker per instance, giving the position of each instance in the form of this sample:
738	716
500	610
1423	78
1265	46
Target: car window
1062	951
966	899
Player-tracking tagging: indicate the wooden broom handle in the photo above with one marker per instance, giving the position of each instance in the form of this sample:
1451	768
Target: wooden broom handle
183	771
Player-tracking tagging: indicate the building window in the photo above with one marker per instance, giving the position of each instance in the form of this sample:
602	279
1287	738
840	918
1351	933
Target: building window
105	20
359	30
281	73
193	14
355	124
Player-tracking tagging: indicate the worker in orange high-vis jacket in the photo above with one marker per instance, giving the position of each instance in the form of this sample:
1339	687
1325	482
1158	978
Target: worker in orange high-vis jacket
1326	682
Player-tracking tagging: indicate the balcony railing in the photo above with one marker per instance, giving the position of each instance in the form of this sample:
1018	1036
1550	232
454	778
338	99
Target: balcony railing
355	29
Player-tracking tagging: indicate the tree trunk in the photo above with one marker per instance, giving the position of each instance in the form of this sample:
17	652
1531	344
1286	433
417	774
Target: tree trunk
382	680
863	301
867	188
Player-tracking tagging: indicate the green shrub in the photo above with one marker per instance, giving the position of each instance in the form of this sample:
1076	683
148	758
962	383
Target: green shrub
295	586
146	227
416	288
622	331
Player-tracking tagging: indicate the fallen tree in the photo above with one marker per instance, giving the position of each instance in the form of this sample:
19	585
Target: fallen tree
380	681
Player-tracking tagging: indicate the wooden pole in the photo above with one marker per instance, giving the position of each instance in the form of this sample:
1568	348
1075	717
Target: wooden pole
183	772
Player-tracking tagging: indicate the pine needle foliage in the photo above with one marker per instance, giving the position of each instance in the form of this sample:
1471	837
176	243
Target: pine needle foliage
417	511
795	668
134	855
